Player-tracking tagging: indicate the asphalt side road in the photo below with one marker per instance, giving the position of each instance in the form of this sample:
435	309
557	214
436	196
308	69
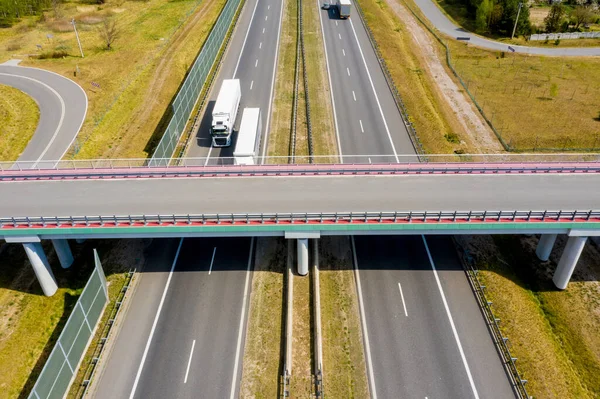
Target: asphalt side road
63	106
184	330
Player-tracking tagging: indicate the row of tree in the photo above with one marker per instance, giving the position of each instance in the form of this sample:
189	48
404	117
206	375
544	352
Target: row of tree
11	10
497	16
560	20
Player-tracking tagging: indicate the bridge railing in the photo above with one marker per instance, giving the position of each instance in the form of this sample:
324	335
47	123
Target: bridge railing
281	160
421	217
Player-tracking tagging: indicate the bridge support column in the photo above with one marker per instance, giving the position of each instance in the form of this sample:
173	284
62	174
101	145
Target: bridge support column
41	267
63	251
302	256
568	261
545	245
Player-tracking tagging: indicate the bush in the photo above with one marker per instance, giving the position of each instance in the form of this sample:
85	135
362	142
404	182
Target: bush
557	42
53	54
13	46
452	138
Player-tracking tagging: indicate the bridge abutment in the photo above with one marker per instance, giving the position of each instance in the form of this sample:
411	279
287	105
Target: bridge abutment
545	245
41	267
568	261
63	251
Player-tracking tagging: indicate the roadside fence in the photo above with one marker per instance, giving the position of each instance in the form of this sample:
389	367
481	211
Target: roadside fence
62	364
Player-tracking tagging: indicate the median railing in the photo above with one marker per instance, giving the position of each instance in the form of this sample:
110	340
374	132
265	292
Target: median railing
339	218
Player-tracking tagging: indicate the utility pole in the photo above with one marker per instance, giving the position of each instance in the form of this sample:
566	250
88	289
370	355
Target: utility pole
516	21
77	36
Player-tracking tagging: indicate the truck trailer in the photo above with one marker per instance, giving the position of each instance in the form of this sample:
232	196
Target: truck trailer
344	8
225	112
247	146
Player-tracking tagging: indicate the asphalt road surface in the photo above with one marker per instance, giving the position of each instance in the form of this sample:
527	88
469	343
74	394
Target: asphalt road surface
427	336
184	333
366	117
62	104
251	57
300	194
442	23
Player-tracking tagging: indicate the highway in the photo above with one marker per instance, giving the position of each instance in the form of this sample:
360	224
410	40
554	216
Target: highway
300	194
419	348
184	333
251	57
443	24
366	117
62	104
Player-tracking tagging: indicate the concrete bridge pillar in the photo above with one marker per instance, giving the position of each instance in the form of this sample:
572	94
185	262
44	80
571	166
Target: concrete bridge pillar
41	267
63	251
568	261
302	256
545	245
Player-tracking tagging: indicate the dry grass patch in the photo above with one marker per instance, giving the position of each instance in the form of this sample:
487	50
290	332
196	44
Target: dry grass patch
262	363
19	116
344	370
302	349
537	103
552	333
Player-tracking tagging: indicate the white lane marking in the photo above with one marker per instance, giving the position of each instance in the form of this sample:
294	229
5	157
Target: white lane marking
256	63
340	36
348	70
344	52
260	45
272	83
251	85
263	30
212	261
241	330
403	302
187	371
62	111
364	323
374	92
354	95
266	16
336	23
460	348
337	132
237	64
268	7
361	126
160	305
369	160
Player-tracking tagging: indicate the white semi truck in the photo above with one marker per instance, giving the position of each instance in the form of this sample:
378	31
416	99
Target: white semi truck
225	112
344	8
248	141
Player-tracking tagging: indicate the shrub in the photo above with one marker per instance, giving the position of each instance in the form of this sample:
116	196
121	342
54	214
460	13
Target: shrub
53	54
452	138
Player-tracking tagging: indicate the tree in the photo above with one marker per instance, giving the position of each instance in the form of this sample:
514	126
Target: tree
109	31
582	15
483	15
554	18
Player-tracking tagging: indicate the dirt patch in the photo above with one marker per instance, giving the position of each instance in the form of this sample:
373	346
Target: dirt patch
479	137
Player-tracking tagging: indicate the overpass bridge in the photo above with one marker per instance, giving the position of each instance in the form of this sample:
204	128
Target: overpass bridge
301	202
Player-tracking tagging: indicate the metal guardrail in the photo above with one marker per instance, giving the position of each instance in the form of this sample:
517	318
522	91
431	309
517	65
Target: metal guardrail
99	349
499	339
420	217
305	79
294	129
418	146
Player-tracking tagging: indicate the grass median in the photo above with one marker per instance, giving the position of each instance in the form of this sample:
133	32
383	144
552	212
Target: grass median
19	116
552	333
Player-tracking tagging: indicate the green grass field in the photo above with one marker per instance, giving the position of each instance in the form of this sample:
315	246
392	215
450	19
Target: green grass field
19	115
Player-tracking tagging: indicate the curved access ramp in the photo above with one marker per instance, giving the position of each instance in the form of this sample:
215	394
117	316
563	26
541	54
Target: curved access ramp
444	25
63	106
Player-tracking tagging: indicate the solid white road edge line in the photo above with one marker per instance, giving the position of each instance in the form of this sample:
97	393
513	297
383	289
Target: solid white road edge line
374	92
337	132
241	329
187	371
403	301
460	349
364	323
160	305
212	261
268	125
62	111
